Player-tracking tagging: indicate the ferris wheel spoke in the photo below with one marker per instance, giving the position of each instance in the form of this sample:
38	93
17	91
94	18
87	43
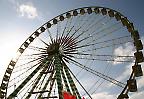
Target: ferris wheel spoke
76	27
13	84
67	27
34	61
96	39
99	79
58	30
63	32
24	89
50	35
33	58
102	57
33	86
108	33
34	55
23	68
106	46
93	86
95	34
80	28
110	41
31	61
23	73
105	77
69	47
107	58
96	84
43	42
36	48
14	93
68	32
27	87
88	27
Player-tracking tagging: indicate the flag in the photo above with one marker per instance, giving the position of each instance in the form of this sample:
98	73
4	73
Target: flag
67	95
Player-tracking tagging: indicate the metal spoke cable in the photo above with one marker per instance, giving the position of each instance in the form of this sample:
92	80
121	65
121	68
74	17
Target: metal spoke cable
79	83
36	83
35	54
80	27
31	58
28	85
96	25
43	43
9	86
25	91
87	29
25	81
95	33
57	30
123	38
19	66
50	35
21	79
77	23
105	46
24	72
75	26
63	32
117	42
36	48
105	73
67	26
108	58
105	77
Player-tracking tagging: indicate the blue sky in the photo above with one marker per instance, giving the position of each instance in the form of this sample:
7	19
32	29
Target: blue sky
19	18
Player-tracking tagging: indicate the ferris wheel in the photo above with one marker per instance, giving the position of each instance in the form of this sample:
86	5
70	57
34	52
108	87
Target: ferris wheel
81	52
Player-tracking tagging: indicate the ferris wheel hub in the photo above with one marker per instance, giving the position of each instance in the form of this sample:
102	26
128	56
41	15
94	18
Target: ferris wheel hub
53	48
62	45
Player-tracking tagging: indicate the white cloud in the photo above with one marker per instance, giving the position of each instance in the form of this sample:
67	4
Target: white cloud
140	81
28	11
103	95
25	10
138	95
126	50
